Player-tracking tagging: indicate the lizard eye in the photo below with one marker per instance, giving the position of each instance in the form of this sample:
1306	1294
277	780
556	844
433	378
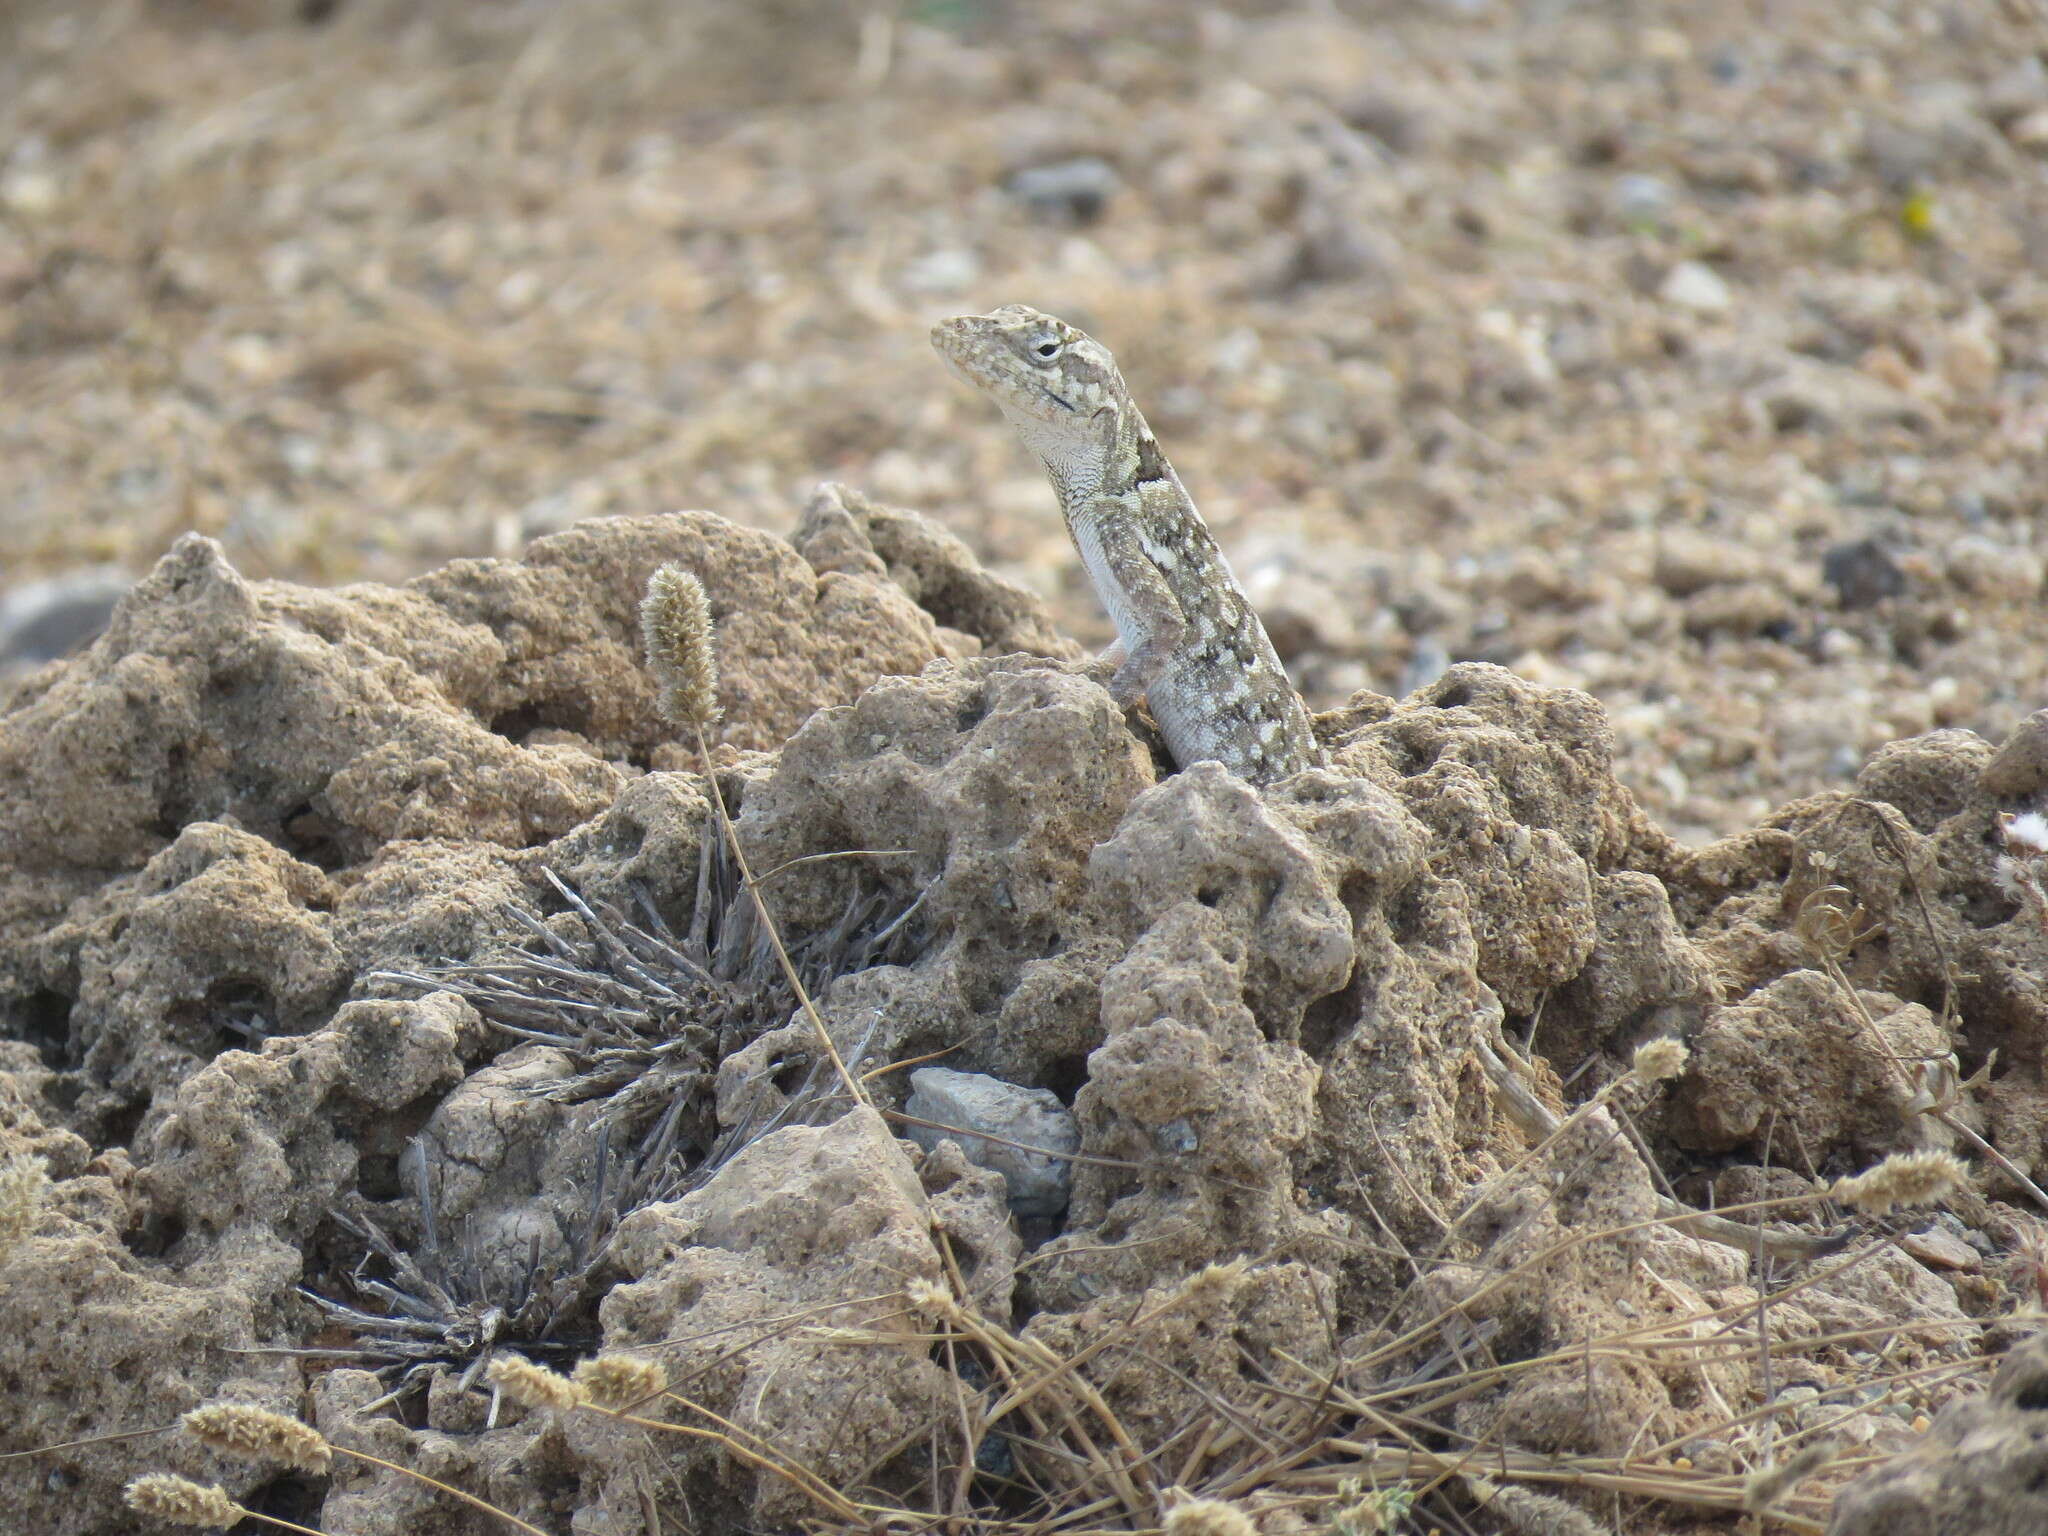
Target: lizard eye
1048	349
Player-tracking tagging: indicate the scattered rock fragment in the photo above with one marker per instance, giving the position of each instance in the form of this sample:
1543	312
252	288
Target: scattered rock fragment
1071	191
1010	1121
42	620
1695	286
1862	572
2020	765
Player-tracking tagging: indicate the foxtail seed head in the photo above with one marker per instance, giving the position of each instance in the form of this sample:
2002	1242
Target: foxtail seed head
675	626
615	1382
1904	1178
181	1501
260	1435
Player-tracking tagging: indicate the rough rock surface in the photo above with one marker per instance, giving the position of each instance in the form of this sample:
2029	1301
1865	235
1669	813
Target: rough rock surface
1000	1124
275	1054
1977	1473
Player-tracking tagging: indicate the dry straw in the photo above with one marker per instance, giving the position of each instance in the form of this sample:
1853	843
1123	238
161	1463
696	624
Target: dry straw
1309	1439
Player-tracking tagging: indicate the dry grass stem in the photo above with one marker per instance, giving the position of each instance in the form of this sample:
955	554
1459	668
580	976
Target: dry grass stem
754	1451
261	1435
676	626
1826	925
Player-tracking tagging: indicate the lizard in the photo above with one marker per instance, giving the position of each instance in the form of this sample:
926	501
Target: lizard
1188	642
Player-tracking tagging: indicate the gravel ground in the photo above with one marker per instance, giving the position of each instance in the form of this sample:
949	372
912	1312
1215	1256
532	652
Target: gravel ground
1693	355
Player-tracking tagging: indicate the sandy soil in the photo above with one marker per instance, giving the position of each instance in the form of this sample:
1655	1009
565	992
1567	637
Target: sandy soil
1693	355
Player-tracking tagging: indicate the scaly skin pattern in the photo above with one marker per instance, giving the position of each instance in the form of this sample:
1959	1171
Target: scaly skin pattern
1188	642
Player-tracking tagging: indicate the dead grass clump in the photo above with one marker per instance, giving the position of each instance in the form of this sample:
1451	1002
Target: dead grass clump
646	1014
1033	1438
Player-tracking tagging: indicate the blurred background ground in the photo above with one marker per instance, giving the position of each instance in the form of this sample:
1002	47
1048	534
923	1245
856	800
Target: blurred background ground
1696	355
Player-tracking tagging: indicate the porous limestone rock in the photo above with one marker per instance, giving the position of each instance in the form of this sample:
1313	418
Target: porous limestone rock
1274	1016
101	1329
805	1221
1977	1472
1796	1059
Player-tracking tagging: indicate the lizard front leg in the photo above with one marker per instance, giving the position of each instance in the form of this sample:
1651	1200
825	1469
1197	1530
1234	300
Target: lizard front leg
1103	665
1149	621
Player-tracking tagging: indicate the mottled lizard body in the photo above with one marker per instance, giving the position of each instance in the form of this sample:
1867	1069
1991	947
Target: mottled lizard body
1188	642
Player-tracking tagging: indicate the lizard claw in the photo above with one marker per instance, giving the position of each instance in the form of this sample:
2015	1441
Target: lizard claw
1111	669
1126	686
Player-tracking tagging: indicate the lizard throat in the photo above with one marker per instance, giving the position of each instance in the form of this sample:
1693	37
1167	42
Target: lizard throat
1076	460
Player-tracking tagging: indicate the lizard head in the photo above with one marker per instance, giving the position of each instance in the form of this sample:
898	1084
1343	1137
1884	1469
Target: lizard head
1037	368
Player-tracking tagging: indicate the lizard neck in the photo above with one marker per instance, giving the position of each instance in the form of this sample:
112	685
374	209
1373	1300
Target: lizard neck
1107	454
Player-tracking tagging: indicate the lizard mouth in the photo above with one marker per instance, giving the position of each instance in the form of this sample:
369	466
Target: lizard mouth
1061	401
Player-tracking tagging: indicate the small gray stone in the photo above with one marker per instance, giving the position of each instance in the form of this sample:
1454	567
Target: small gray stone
1039	1185
1427	662
948	271
42	620
1073	191
1862	573
1640	199
2020	765
1698	287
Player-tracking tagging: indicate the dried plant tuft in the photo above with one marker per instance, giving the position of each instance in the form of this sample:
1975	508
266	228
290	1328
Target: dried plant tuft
1217	1281
23	1183
2022	867
615	1382
675	626
1659	1059
1208	1517
1904	1178
932	1300
260	1435
1530	1513
1766	1486
181	1501
530	1385
2026	834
